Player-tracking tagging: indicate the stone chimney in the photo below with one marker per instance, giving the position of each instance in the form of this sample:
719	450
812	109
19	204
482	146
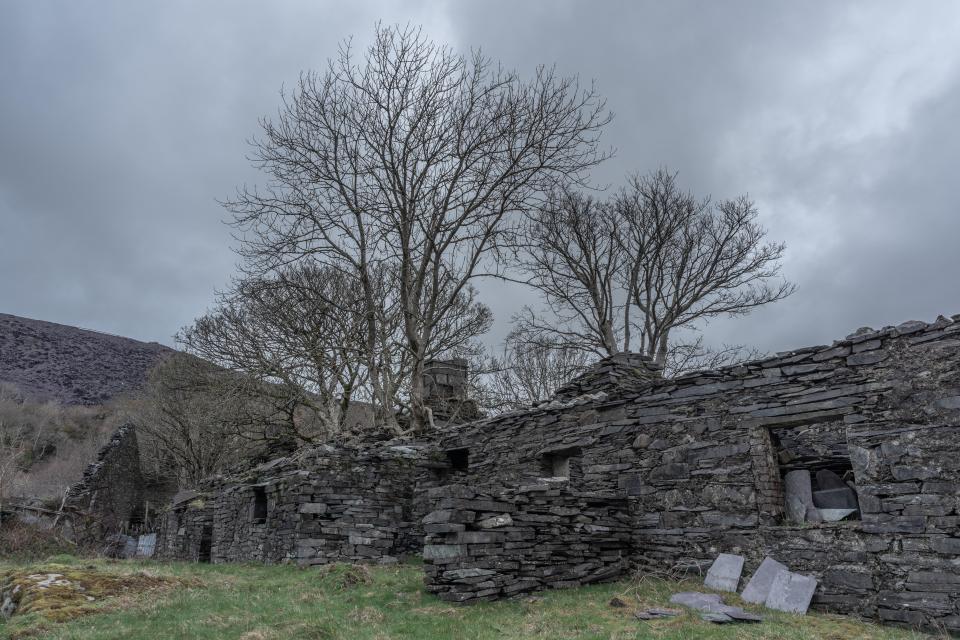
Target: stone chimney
445	389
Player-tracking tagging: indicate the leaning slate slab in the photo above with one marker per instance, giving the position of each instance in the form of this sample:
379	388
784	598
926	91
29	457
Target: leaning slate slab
758	588
791	592
842	498
827	479
724	573
146	545
798	491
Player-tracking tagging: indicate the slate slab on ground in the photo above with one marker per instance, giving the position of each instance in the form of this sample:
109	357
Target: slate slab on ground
713	607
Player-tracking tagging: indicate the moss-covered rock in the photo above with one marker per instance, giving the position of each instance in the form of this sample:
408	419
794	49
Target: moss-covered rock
62	592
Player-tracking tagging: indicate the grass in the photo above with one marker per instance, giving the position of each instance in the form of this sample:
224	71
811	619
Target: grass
255	602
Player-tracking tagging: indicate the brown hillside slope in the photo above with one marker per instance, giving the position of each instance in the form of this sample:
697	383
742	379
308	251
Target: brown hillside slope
52	361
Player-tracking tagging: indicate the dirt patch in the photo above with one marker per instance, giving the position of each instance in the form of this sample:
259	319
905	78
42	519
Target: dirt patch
60	592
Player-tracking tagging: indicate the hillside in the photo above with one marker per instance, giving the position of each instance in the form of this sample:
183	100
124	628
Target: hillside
49	361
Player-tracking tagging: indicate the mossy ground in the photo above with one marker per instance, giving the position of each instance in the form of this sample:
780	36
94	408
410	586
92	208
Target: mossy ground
255	602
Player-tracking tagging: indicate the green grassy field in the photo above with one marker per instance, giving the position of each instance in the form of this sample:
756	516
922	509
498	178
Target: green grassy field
255	602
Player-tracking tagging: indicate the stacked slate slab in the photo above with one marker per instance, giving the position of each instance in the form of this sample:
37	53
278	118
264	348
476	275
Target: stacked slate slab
483	546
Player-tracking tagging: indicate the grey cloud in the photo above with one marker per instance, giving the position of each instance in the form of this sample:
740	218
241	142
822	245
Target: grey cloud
122	123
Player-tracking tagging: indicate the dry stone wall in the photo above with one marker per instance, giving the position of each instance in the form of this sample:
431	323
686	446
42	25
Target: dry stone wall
109	497
186	529
326	504
702	459
483	546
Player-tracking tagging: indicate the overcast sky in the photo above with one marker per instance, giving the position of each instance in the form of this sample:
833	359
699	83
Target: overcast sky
122	123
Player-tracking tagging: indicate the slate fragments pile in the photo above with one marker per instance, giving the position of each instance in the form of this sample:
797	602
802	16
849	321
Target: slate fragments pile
489	545
616	373
713	608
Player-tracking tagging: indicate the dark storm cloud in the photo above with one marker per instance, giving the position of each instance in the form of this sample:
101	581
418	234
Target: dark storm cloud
122	123
836	118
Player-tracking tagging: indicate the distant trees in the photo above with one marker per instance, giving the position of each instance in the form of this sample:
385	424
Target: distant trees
628	272
299	333
571	250
297	336
44	445
528	372
190	416
411	164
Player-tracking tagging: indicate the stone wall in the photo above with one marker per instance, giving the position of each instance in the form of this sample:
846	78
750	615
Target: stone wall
702	457
109	497
483	546
186	529
325	504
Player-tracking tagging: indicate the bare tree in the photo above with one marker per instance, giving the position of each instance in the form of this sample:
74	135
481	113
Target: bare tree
690	260
299	333
571	252
528	372
417	158
627	273
187	417
689	356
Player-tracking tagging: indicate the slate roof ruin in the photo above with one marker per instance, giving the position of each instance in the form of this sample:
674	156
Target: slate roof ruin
626	471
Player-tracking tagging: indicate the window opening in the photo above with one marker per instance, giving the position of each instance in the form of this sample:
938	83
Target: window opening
259	505
817	476
206	544
556	464
459	460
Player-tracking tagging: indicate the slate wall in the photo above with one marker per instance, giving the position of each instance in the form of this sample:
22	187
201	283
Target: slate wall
110	495
484	546
697	457
326	504
186	530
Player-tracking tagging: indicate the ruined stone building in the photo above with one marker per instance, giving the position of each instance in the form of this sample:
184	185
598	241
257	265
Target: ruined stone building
841	461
